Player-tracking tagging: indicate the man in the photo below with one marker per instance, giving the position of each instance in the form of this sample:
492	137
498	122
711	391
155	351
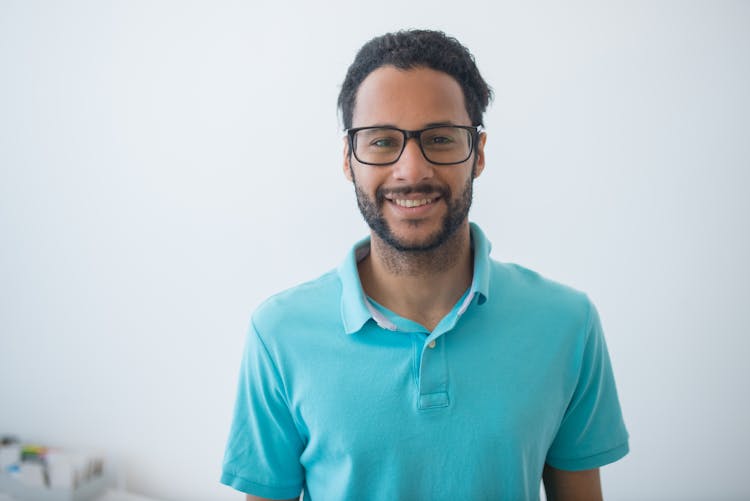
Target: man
421	369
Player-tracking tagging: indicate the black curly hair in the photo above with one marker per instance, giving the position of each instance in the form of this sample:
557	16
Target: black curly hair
411	49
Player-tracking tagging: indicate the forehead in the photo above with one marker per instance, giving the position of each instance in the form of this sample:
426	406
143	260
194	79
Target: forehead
409	99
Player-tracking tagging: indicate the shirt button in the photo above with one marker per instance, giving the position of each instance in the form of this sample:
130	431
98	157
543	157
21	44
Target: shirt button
431	344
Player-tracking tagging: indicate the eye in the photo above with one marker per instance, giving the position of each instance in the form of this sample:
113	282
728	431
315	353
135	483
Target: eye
441	140
383	142
380	138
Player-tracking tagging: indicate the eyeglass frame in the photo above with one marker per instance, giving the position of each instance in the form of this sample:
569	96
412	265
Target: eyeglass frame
475	131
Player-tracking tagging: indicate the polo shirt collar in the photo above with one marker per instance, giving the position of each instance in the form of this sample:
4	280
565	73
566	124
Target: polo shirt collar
480	283
356	310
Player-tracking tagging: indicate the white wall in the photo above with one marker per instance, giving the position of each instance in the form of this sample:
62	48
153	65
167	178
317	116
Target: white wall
164	166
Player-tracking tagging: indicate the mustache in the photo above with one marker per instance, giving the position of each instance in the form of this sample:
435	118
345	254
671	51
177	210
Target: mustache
421	188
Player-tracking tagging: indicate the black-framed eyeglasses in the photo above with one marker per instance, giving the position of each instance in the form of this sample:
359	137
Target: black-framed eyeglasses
440	144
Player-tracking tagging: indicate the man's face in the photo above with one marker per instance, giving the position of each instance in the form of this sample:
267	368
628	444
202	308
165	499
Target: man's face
412	204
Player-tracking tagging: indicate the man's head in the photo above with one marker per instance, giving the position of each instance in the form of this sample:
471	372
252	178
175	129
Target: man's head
412	49
418	196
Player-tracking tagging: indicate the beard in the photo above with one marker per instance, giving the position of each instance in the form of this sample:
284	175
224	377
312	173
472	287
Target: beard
458	211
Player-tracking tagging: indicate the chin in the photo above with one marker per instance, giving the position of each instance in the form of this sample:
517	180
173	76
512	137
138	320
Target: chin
410	242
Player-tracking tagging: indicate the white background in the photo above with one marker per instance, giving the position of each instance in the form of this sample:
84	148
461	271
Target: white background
165	166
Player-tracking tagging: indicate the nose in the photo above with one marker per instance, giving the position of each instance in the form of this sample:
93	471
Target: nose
412	167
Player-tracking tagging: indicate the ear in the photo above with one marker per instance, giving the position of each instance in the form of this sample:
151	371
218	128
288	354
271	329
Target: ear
347	157
482	139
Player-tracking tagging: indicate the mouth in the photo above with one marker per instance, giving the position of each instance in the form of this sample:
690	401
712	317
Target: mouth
410	203
413	201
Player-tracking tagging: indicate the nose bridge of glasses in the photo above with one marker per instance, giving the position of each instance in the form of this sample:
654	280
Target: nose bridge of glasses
416	134
417	144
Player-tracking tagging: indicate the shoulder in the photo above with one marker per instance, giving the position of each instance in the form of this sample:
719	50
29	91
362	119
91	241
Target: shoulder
308	303
520	288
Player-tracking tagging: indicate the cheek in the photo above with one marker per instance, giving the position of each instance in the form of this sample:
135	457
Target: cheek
459	182
368	179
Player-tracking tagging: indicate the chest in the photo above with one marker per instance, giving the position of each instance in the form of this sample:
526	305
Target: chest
392	396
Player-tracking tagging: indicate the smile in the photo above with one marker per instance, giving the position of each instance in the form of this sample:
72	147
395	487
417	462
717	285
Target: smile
412	203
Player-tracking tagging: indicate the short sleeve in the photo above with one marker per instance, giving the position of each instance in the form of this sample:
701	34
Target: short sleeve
263	451
592	432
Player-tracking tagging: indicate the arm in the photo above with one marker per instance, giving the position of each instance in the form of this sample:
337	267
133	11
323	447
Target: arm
562	485
250	497
262	457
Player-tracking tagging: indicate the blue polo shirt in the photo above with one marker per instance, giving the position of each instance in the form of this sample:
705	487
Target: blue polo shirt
344	399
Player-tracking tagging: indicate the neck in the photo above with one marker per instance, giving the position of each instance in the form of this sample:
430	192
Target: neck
420	285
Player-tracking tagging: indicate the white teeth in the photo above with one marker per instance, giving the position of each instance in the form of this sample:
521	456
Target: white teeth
412	203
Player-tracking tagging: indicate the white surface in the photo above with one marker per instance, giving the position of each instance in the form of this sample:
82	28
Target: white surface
115	495
110	495
152	193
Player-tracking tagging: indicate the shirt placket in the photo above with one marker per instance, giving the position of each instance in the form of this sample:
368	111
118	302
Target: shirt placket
432	381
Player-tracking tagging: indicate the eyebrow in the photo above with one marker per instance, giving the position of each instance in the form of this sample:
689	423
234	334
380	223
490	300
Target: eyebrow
431	124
